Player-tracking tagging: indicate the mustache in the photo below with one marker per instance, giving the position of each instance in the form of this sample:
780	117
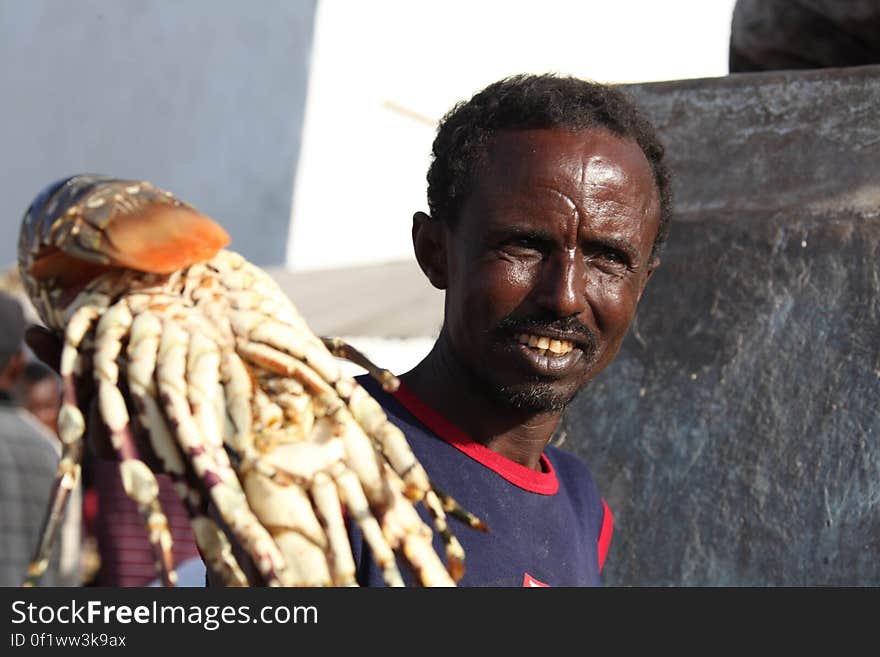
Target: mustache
534	324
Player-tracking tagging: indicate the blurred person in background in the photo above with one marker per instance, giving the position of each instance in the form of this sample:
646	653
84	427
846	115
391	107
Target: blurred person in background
42	394
115	550
29	456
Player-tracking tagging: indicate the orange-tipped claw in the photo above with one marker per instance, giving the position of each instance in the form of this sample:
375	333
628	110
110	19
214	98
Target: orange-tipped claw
162	238
157	238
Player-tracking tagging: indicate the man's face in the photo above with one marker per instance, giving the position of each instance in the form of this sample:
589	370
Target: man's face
547	261
42	399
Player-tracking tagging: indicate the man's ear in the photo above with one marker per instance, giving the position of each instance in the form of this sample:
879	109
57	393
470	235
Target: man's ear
429	244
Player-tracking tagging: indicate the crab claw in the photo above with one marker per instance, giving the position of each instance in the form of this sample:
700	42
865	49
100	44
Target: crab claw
86	224
161	238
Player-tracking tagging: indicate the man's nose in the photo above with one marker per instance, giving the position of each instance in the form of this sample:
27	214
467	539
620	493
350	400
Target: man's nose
562	287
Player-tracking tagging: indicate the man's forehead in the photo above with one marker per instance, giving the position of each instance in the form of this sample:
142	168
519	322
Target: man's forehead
553	146
563	171
590	158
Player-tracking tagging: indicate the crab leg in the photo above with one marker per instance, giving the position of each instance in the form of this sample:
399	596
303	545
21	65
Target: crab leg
279	346
137	479
211	465
297	529
327	500
268	444
341	349
290	396
394	446
449	505
346	490
316	546
284	506
353	496
71	427
361	457
435	501
319	373
329	508
404	528
258	328
142	350
205	394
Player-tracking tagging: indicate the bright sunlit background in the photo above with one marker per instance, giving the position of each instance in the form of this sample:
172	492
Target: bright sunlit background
383	72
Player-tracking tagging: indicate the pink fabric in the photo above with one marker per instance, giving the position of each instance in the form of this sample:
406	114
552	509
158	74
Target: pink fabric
126	555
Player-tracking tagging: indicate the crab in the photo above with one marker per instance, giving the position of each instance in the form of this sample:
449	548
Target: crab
203	369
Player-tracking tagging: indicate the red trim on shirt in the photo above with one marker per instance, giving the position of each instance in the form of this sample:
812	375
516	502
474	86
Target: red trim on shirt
530	582
544	483
605	533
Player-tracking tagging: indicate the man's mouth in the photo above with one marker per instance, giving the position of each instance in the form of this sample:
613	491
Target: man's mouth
546	356
549	348
545	346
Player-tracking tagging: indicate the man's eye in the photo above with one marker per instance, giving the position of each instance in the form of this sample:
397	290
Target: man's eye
610	258
521	245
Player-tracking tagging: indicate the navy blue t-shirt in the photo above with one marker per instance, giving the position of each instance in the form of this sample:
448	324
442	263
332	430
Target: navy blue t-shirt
549	528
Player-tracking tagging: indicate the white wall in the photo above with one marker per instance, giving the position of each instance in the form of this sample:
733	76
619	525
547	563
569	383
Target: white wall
384	71
204	97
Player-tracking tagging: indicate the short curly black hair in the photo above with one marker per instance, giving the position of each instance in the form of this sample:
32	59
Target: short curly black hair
524	102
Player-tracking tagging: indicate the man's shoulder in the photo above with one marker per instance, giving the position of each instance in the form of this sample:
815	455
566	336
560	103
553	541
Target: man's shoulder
25	435
571	469
563	458
375	390
398	414
579	487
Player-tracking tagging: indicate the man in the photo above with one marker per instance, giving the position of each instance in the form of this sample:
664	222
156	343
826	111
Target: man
549	204
28	460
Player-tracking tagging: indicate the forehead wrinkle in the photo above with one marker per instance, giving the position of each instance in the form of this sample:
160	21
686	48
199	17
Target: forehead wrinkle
596	206
573	211
601	210
565	197
507	203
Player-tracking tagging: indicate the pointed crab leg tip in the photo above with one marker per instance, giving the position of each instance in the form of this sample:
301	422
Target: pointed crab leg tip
414	493
390	383
456	570
469	519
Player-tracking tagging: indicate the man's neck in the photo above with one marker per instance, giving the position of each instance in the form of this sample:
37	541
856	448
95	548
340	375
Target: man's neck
447	387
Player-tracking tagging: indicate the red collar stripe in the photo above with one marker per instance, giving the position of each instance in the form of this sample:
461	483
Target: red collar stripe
544	483
605	534
530	582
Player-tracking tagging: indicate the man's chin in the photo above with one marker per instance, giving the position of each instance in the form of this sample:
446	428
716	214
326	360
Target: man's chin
534	397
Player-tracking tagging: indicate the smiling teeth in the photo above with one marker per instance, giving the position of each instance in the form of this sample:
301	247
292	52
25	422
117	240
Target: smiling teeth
544	343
